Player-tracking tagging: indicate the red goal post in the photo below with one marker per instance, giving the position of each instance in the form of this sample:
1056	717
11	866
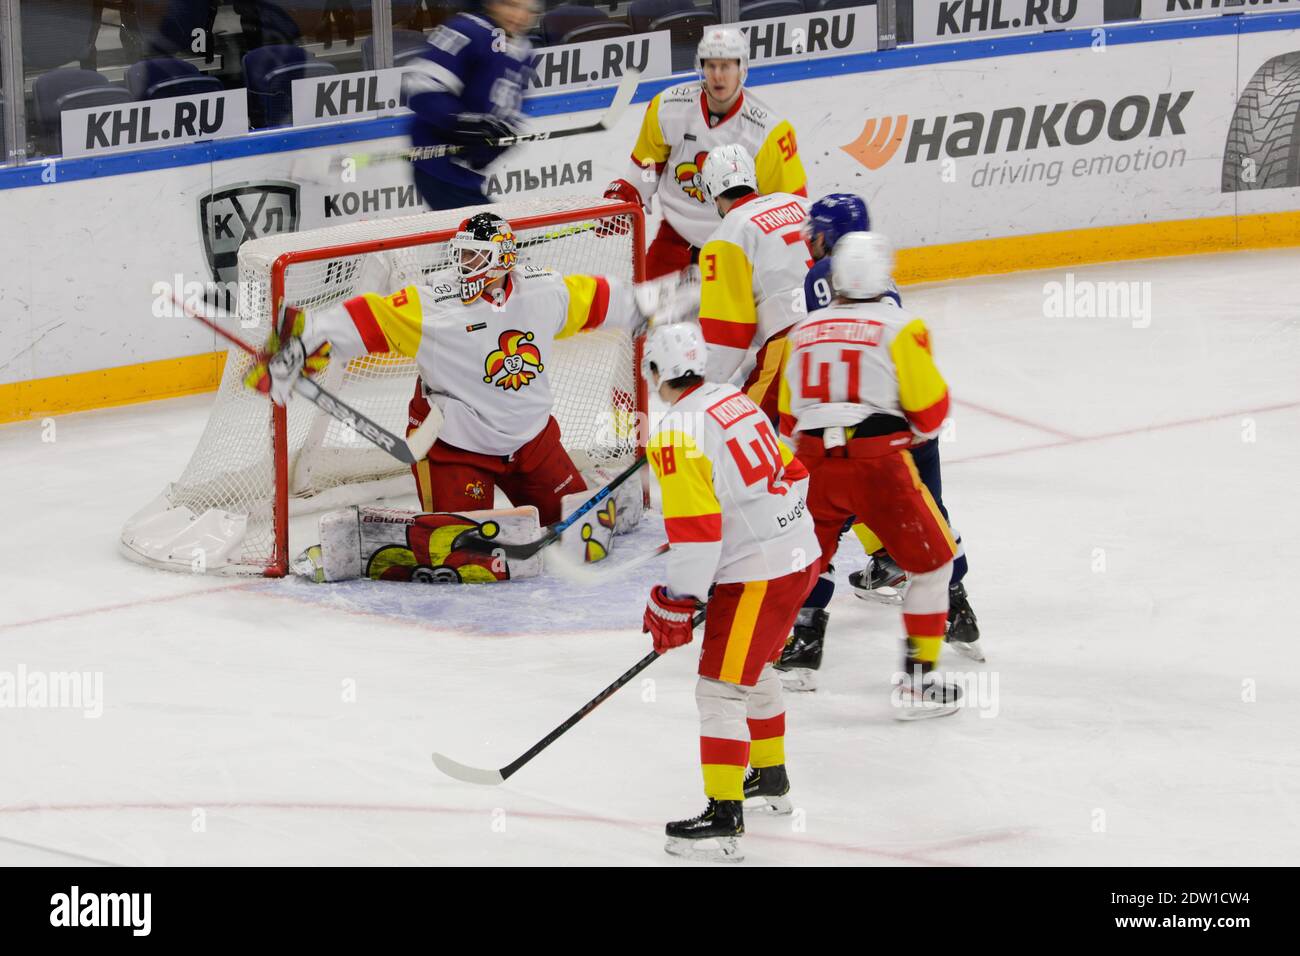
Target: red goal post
257	464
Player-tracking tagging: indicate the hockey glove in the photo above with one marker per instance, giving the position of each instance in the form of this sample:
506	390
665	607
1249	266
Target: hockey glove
620	226
288	358
668	619
473	128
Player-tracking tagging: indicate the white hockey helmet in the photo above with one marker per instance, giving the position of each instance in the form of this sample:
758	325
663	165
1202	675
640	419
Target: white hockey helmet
675	350
862	265
726	167
723	43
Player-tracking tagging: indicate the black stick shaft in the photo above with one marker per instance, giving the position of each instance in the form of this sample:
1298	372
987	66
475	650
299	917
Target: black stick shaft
588	707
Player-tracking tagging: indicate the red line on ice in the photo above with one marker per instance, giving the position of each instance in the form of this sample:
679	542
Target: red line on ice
1163	426
910	856
125	605
985	410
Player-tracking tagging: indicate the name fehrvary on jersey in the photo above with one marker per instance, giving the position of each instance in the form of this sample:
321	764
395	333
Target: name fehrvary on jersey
752	272
676	136
483	364
852	360
733	494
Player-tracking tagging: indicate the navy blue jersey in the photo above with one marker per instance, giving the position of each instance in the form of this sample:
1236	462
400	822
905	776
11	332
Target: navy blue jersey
471	66
817	291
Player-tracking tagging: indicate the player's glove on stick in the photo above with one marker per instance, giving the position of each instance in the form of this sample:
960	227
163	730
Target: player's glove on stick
473	128
618	226
288	358
668	619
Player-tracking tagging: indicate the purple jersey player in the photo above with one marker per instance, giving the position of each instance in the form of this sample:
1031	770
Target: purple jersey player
467	89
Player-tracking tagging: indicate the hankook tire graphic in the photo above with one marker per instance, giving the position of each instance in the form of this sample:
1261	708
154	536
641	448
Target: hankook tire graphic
1265	129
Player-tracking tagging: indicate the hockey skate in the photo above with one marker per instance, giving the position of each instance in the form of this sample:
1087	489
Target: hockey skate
963	632
802	655
916	697
713	836
881	580
767	787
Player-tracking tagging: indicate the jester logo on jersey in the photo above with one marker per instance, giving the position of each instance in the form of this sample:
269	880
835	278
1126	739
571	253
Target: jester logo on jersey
690	178
513	354
436	554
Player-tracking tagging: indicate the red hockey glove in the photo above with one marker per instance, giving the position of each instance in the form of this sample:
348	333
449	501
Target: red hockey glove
668	619
620	226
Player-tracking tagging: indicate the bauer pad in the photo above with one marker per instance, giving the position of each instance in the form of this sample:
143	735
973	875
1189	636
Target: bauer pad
591	537
386	544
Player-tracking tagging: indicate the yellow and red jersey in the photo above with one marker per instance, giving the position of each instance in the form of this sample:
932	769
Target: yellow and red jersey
733	493
483	364
677	134
855	359
752	272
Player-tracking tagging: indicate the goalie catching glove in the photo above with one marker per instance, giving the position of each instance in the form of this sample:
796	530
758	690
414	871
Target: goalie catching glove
668	619
275	375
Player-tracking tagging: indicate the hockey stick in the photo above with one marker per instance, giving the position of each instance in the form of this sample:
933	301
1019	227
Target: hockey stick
570	569
477	543
622	98
406	450
491	778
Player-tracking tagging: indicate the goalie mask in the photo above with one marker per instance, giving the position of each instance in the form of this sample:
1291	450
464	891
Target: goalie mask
483	250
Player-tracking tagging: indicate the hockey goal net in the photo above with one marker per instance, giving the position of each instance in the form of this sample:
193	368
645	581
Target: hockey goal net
256	464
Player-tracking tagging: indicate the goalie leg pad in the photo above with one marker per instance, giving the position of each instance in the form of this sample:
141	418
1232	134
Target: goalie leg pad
386	544
591	537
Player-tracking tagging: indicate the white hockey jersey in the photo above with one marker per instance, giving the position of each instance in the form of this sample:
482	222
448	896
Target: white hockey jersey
733	494
752	273
852	360
677	134
483	364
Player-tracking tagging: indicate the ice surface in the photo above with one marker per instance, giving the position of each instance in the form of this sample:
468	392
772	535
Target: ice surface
1127	498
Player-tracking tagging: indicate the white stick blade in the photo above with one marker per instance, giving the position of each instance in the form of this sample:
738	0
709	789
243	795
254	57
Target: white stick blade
622	97
487	778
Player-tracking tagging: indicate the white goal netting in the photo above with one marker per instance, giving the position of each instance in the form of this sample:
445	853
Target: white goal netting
226	512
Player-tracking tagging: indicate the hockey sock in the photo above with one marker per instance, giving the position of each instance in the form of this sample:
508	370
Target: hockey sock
925	617
766	721
724	738
819	597
870	543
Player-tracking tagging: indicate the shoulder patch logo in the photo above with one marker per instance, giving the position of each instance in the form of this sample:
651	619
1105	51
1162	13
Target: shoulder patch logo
513	353
922	339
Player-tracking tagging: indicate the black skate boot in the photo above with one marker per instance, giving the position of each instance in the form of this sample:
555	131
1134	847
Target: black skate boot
919	694
802	654
770	785
882	580
963	632
723	822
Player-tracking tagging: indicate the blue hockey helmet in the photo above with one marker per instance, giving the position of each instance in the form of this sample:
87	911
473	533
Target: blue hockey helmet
834	215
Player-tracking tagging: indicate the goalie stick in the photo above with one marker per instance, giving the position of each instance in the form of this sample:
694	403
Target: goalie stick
481	545
491	778
406	450
622	97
